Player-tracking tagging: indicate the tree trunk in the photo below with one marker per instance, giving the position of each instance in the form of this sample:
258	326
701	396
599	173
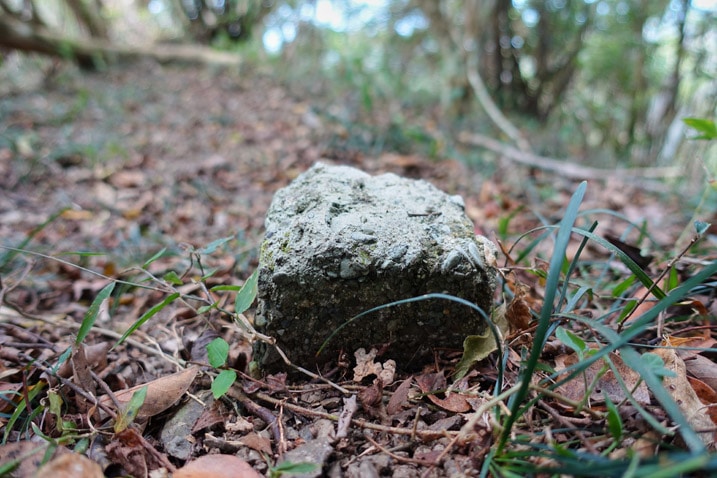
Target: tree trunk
89	16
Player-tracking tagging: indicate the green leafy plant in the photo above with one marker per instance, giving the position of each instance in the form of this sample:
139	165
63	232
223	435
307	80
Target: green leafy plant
284	467
705	128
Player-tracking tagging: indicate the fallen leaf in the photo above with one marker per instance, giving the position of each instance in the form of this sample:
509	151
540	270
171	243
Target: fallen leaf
707	396
162	393
685	396
399	399
702	368
371	396
432	383
29	454
70	465
518	312
217	466
256	442
607	383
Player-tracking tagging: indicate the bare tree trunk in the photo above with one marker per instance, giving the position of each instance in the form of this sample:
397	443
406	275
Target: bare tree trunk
471	57
89	16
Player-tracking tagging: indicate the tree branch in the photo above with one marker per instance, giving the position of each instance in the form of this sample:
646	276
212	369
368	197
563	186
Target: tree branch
566	167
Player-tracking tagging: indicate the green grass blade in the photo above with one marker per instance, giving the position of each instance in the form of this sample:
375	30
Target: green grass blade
12	252
541	332
625	259
491	325
633	360
92	312
146	316
247	294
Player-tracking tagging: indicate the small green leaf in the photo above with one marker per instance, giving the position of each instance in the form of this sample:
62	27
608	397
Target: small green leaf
706	127
614	422
225	288
672	280
62	359
148	315
629	307
223	382
214	245
127	416
218	351
171	277
623	286
297	468
247	294
206	308
475	349
655	363
92	312
209	274
702	227
154	257
571	340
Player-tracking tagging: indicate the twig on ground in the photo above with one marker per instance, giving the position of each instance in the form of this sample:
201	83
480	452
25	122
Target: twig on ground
256	409
422	434
562	420
404	459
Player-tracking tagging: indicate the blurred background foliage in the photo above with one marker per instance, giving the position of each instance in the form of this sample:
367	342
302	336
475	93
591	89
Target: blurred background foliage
603	82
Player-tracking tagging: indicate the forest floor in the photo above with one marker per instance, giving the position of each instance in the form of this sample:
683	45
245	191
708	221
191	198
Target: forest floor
101	172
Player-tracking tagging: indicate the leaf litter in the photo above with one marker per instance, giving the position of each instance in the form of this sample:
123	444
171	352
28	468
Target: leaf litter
171	174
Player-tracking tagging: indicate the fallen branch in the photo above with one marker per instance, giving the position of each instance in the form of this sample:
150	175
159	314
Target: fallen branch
25	37
566	167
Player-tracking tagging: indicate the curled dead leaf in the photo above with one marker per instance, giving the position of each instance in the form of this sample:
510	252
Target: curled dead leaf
518	312
162	393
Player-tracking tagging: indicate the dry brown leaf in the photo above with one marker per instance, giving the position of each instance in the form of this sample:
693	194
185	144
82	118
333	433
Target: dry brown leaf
29	454
256	442
685	396
518	312
162	393
95	354
217	466
399	397
702	368
371	396
707	396
606	384
431	383
70	465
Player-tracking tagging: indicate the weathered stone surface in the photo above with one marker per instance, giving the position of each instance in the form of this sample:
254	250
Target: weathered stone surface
339	242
